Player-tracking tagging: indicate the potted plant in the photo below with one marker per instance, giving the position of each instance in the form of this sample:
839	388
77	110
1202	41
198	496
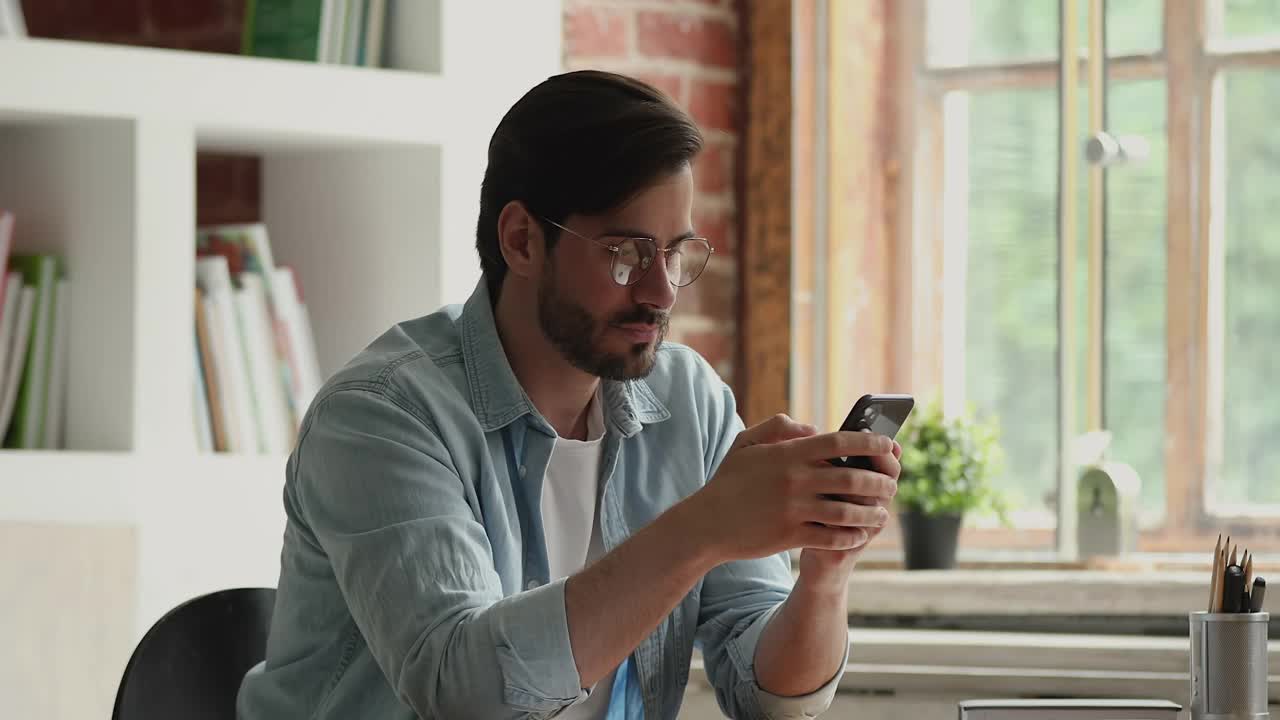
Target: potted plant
948	463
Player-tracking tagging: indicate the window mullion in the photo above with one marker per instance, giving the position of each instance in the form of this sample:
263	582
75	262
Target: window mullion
1184	430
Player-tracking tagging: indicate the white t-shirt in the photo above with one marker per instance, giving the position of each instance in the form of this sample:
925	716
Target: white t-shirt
571	525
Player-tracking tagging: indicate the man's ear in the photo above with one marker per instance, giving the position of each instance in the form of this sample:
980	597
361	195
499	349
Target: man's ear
521	240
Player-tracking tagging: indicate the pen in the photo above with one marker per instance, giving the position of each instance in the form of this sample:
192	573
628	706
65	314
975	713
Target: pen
1233	589
1256	595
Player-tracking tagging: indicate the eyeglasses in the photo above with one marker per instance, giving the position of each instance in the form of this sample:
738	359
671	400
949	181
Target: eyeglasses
633	256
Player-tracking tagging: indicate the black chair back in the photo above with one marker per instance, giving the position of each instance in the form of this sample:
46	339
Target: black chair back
190	663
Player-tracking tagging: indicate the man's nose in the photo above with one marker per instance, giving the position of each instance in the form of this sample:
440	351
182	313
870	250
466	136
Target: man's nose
655	288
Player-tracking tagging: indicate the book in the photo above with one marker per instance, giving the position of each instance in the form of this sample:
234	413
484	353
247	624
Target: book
352	32
207	366
17	354
6	246
214	280
260	350
300	344
12	283
374	26
200	403
12	22
54	434
247	248
26	429
1069	709
289	29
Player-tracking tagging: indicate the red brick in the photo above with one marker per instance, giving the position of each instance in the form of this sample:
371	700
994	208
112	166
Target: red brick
100	18
218	41
43	18
707	41
713	170
186	15
714	105
596	32
249	182
83	19
718	347
672	85
714	294
227	189
718	227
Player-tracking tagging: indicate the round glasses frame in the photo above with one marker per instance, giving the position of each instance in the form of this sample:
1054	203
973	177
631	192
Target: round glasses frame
646	261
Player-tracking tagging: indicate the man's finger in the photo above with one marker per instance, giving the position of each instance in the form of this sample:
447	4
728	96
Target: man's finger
841	444
831	480
887	464
778	428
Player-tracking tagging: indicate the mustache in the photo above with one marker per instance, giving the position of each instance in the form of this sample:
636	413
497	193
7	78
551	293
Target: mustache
642	315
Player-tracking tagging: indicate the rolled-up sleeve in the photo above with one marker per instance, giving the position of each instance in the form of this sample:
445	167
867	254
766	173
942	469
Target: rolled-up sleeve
738	600
380	492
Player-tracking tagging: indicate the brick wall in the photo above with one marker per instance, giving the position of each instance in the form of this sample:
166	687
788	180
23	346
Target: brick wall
688	48
691	50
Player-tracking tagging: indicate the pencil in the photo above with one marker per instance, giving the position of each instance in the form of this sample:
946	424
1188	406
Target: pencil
1214	573
1233	555
1222	579
1248	570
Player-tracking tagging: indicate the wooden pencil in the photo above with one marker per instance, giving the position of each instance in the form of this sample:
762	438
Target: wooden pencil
1222	569
1233	555
1215	576
1217	586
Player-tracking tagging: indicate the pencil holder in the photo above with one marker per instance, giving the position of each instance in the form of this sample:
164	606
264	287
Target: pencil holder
1229	666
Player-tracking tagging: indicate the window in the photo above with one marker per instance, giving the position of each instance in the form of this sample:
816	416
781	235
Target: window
1178	356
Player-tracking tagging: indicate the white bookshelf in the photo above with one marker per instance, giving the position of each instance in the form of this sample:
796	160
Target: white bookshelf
370	189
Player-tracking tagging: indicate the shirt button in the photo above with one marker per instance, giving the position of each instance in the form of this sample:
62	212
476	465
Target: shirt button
522	471
531	585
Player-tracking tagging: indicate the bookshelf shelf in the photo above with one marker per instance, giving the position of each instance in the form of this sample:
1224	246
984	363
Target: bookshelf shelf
370	190
121	489
239	103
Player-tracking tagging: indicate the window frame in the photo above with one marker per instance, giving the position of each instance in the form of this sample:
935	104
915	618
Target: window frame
890	237
1192	65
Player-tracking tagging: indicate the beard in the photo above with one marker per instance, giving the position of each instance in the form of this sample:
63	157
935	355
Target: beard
579	336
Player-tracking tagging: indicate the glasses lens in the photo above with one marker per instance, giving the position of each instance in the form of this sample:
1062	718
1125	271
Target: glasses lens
632	260
636	255
688	261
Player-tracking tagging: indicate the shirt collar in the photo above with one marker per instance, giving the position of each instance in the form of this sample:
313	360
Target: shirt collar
497	397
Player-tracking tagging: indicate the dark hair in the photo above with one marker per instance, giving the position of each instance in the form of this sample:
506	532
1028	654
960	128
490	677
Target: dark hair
580	142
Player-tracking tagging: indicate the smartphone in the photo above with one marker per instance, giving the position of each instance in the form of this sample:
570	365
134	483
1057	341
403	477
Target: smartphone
880	414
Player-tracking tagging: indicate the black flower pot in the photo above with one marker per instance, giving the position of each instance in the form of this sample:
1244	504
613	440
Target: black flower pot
929	541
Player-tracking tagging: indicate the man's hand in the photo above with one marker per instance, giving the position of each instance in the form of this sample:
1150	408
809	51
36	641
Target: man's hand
773	492
830	568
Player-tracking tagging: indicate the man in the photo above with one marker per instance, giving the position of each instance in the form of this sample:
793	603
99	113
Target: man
529	506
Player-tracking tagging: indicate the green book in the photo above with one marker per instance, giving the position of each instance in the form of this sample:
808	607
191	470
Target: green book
290	29
42	273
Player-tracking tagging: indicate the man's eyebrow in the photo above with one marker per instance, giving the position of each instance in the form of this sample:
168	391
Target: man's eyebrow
633	233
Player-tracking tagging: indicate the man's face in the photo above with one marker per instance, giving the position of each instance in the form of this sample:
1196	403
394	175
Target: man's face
603	328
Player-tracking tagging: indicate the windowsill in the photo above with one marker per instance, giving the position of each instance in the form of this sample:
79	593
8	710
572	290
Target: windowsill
903	662
1116	632
1026	592
975	664
904	656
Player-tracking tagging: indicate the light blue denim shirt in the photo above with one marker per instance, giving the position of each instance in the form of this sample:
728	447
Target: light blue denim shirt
413	576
